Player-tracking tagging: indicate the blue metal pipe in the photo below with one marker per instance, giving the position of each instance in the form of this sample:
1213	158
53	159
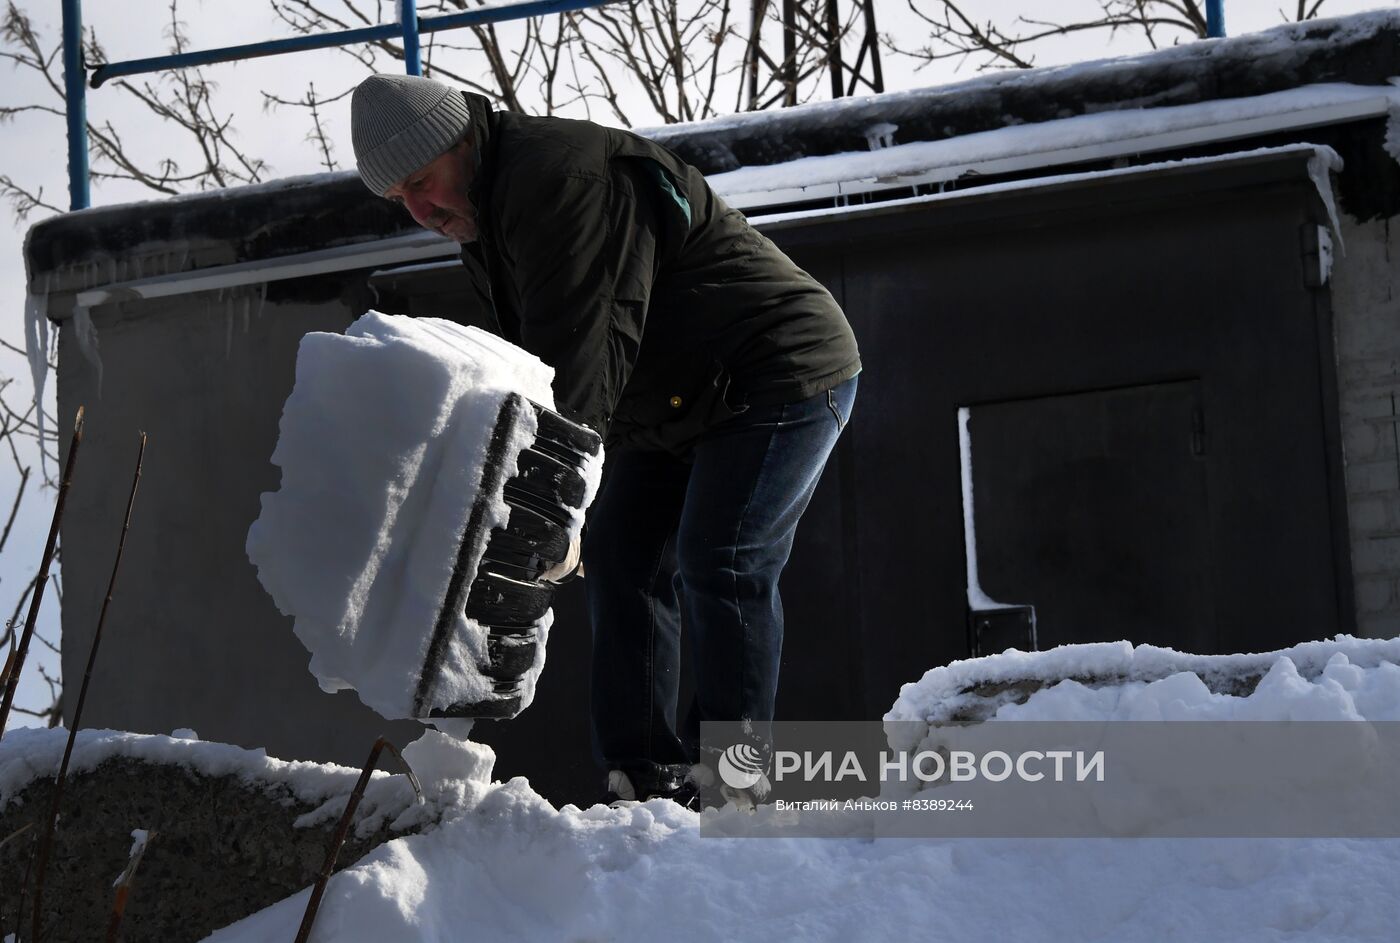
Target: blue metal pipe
275	47
408	19
1215	18
76	93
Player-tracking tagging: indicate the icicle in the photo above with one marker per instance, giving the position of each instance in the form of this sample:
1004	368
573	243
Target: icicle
976	597
880	136
262	298
86	336
36	346
1321	166
228	334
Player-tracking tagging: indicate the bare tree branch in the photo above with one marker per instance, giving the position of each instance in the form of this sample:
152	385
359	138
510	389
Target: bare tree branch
14	508
955	34
317	135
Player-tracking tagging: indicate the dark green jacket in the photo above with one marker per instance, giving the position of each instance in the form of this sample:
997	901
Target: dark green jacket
661	310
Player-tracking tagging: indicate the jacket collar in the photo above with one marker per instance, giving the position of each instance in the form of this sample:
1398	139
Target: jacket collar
483	124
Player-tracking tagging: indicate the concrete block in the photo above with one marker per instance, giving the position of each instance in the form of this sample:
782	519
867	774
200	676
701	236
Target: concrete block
1369	332
1376	555
1379	625
1374	477
1371	514
1372	376
1362	401
1374	593
1360	441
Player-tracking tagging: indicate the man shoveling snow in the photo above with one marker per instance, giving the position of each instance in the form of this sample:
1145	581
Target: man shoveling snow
718	373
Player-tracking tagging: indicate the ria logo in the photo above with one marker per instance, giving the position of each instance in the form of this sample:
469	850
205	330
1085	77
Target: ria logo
741	766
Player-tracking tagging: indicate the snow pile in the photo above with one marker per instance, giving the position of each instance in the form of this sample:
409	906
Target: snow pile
1194	775
382	446
1117	681
511	867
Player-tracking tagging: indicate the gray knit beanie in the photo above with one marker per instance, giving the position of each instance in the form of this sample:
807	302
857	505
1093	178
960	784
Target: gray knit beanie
399	123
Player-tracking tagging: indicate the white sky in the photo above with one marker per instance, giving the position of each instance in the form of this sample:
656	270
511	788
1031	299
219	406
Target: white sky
33	148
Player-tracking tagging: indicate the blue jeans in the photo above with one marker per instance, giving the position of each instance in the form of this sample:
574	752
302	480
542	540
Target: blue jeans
702	543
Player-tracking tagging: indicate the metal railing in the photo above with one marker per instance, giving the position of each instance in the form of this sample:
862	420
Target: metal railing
409	28
1215	18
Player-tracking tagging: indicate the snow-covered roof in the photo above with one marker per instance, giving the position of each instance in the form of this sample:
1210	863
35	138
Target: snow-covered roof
1297	76
1363	49
1082	139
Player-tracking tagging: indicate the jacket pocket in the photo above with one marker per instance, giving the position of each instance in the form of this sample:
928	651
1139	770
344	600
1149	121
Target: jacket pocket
671	417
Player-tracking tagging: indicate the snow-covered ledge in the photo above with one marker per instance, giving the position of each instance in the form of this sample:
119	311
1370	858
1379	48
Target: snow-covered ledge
995	686
231	830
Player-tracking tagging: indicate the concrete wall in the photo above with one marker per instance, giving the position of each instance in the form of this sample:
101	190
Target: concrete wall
191	639
1366	317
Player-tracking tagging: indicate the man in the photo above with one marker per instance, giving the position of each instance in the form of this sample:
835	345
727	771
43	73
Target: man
719	373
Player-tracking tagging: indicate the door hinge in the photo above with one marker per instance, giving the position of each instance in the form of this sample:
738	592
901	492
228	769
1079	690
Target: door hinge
1317	255
992	631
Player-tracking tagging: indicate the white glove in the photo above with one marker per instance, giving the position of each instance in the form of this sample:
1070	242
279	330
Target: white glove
568	566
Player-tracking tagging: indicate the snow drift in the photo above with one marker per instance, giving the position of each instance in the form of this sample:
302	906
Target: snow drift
512	867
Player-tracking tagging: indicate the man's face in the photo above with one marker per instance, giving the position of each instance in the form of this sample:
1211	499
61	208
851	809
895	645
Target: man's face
435	194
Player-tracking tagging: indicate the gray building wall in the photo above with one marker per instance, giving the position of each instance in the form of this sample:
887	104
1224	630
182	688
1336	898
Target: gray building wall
1366	318
192	639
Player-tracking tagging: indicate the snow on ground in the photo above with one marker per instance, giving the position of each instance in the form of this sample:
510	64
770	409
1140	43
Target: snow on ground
401	410
511	867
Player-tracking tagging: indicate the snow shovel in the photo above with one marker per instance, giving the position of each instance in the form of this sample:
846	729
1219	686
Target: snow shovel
506	594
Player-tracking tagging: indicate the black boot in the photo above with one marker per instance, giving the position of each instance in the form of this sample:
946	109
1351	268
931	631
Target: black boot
640	782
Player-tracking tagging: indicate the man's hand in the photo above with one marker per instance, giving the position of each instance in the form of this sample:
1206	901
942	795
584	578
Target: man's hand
567	567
